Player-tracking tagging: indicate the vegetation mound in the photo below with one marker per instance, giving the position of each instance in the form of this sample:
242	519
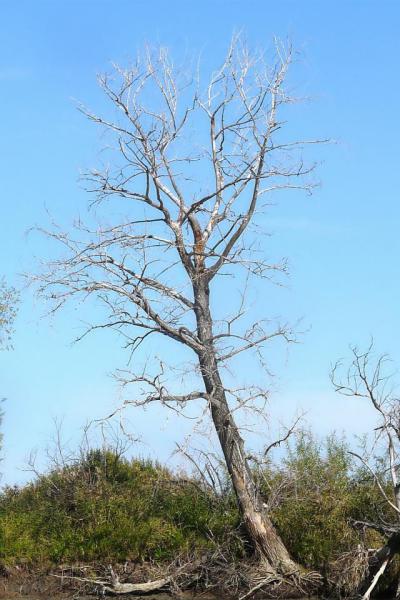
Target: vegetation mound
105	509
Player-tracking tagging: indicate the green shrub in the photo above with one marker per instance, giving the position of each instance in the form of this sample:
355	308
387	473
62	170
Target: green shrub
105	508
322	493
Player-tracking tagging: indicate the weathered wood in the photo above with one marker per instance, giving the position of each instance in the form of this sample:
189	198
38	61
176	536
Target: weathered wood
137	588
116	588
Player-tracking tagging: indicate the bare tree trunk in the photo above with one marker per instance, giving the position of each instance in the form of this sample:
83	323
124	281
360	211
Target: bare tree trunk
260	529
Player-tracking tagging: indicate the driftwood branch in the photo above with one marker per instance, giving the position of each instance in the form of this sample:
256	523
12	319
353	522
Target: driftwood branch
116	588
384	529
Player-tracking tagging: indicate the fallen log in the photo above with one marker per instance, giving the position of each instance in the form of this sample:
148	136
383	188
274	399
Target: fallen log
113	585
117	588
136	588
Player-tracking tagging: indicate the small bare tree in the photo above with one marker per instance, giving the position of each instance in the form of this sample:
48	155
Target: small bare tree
368	377
194	166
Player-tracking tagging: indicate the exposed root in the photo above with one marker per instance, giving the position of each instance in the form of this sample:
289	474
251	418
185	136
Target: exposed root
292	584
267	581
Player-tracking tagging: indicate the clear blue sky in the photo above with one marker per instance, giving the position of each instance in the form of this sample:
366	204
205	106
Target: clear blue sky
343	243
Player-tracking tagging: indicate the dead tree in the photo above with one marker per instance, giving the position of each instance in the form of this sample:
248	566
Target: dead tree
193	166
369	378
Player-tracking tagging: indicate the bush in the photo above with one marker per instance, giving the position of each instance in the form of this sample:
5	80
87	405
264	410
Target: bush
322	490
105	508
110	509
